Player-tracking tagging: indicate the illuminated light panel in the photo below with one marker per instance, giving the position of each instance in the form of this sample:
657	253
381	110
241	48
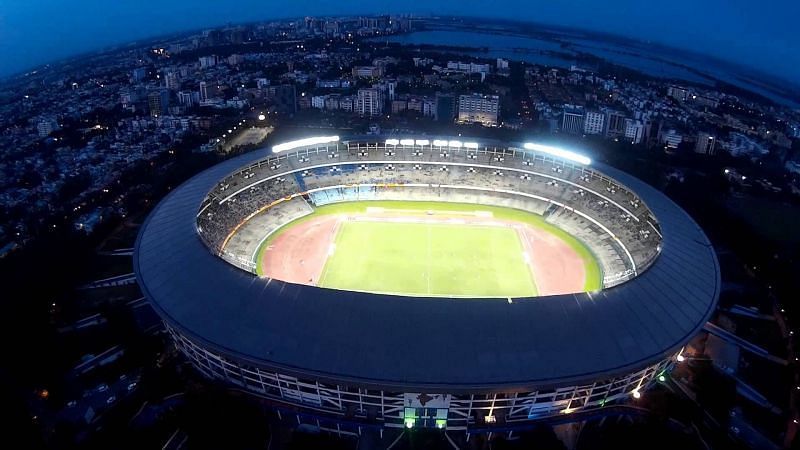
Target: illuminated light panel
472	145
455	144
304	142
406	142
423	142
392	142
440	143
559	152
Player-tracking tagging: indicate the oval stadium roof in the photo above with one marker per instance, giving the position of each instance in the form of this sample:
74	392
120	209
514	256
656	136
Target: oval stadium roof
425	344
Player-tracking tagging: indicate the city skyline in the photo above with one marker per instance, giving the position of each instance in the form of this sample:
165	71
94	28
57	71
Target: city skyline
740	32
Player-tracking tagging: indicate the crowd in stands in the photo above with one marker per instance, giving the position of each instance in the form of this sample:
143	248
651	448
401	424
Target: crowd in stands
577	192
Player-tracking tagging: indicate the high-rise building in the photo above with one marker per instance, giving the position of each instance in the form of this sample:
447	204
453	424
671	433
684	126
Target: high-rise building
171	80
594	122
615	123
186	98
235	59
706	144
678	93
369	102
634	131
445	107
138	74
331	27
318	101
479	108
347	103
158	101
572	121
203	91
670	137
208	61
46	126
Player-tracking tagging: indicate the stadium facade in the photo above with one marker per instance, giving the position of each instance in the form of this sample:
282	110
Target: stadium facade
348	360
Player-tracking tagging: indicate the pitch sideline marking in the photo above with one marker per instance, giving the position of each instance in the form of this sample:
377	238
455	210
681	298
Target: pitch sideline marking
331	249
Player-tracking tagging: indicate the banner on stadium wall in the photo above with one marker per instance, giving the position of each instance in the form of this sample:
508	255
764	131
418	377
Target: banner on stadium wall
412	400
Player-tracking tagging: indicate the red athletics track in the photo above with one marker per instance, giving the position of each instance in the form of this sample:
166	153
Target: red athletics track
298	254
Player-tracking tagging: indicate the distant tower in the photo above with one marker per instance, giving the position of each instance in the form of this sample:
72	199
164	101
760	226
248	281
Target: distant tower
445	107
572	122
370	102
203	91
158	101
171	80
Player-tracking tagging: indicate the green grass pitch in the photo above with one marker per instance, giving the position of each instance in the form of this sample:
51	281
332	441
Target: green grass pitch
409	243
428	259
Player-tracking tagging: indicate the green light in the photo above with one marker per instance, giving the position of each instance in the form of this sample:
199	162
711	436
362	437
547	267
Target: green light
662	378
441	423
409	423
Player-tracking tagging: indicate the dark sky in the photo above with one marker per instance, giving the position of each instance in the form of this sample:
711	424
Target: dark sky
763	34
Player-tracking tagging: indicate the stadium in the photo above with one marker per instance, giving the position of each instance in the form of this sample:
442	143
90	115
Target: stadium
435	283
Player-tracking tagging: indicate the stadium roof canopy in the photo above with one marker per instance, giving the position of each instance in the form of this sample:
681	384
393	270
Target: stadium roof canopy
425	344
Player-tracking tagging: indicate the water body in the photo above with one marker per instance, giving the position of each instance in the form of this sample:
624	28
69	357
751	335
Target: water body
564	50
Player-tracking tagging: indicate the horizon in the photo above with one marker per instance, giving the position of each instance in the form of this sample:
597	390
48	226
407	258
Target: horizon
61	50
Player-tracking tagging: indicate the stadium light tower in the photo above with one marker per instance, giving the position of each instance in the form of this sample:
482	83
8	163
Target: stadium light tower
558	152
304	142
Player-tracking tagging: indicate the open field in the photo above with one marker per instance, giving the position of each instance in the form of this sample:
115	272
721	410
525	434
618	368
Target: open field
429	248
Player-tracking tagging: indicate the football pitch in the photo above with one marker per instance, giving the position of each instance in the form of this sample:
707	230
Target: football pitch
421	248
428	259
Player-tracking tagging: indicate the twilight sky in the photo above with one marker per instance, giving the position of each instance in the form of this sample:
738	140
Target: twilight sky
760	34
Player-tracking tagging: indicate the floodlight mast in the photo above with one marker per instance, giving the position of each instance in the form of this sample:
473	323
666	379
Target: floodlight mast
558	152
317	140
